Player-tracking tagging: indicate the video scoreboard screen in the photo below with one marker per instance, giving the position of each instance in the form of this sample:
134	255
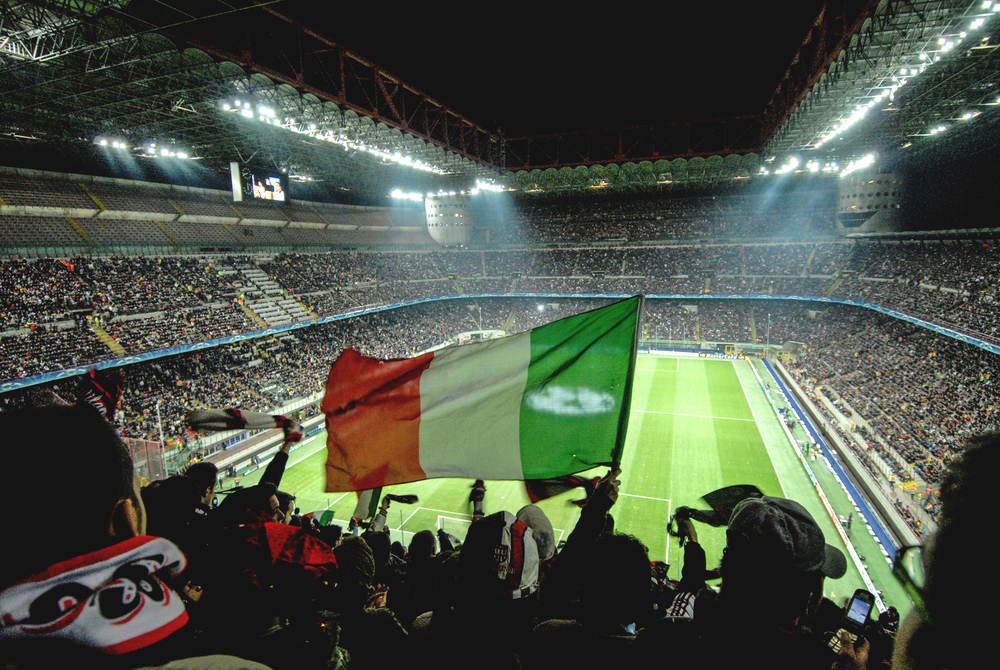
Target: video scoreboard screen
251	183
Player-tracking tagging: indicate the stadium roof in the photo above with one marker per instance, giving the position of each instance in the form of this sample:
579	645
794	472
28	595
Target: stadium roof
910	72
215	81
254	81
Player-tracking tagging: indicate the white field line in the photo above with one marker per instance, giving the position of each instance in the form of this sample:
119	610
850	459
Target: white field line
632	495
337	500
666	556
444	511
677	368
693	416
300	456
403	523
297	455
450	518
759	432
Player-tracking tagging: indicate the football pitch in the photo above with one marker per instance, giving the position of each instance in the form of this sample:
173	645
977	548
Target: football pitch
696	425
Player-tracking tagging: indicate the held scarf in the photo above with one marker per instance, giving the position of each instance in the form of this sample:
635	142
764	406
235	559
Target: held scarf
230	419
111	600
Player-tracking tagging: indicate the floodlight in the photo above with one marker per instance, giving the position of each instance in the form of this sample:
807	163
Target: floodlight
247	113
986	5
103	143
226	107
164	152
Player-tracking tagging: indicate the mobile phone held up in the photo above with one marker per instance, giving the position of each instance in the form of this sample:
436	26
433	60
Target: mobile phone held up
855	618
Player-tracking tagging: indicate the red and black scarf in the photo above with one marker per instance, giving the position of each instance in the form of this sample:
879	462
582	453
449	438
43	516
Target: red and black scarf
112	600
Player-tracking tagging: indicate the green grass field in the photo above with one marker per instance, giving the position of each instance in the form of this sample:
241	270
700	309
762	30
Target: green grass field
696	425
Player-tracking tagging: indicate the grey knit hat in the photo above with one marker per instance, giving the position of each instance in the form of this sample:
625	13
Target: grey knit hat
783	531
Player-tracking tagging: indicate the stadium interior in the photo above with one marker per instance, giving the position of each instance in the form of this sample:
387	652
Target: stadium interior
216	199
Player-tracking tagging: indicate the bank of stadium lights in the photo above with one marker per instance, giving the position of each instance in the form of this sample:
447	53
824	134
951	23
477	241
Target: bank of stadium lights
267	115
150	151
905	74
407	196
489	186
793	165
480	186
114	144
788	167
859	164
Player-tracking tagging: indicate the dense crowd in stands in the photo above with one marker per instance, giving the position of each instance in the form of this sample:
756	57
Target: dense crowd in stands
922	392
923	395
871	450
922	404
159	577
637	218
927	281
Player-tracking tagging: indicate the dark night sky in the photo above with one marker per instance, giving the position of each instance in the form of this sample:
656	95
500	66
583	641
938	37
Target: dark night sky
547	70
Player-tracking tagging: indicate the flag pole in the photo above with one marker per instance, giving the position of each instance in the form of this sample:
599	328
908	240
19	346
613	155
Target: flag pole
616	455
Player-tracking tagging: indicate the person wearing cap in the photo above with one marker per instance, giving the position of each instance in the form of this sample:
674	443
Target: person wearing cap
773	570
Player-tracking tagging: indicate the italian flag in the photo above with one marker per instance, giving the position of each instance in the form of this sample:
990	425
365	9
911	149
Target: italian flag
549	402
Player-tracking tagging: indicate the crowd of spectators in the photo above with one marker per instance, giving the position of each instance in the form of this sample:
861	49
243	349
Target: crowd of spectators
881	462
921	392
953	285
159	577
637	218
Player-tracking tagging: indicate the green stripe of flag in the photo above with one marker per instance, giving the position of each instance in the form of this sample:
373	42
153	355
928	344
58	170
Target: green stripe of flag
576	402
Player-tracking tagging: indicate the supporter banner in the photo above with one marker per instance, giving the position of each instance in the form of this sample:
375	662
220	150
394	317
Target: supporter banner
173	351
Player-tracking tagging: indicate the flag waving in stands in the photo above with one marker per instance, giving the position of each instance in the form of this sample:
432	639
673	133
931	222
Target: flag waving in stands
549	402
